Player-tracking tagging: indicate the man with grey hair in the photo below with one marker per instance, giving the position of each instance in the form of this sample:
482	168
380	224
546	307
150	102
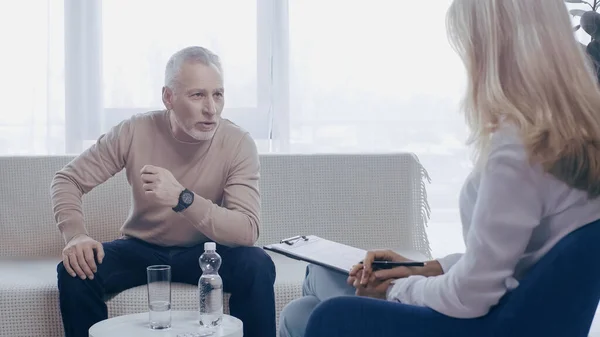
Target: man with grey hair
194	178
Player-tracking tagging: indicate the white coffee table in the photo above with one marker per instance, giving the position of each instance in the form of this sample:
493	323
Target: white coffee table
181	322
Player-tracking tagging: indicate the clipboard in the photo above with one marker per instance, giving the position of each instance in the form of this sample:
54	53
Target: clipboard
319	251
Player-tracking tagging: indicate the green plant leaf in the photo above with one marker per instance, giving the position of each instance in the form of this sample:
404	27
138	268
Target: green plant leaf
577	12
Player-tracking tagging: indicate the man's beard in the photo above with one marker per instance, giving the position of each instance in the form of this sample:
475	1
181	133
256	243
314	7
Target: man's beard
197	134
201	135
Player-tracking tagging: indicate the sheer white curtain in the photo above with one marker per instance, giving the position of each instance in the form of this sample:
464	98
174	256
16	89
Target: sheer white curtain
301	75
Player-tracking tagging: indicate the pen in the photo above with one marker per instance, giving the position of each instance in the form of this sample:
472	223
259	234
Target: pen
390	264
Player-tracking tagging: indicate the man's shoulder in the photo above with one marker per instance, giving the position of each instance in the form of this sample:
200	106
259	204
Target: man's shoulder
230	128
234	141
142	122
145	118
232	134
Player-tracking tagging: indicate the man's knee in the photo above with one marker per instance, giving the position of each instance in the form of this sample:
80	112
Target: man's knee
256	261
62	273
66	282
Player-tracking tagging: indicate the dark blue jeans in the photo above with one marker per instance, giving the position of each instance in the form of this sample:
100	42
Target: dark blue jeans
248	275
358	317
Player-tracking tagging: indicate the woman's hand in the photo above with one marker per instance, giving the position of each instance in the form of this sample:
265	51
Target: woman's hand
374	288
373	284
355	275
383	255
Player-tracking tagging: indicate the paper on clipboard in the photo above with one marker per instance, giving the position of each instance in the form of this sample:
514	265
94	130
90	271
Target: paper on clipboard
316	250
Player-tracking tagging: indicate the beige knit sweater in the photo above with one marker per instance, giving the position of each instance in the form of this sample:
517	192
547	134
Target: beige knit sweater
222	172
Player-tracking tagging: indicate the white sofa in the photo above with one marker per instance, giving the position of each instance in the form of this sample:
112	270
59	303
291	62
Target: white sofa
369	201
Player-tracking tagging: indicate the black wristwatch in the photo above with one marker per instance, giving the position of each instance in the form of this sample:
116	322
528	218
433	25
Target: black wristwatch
186	198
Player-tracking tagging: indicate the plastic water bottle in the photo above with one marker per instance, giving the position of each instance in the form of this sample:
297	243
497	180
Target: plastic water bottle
210	287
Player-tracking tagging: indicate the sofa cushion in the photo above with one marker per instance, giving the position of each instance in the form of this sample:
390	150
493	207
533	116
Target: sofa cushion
29	295
333	196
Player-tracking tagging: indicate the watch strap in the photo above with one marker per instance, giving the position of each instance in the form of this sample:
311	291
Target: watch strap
181	205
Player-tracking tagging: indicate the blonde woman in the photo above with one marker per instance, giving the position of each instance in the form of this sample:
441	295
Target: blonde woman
533	108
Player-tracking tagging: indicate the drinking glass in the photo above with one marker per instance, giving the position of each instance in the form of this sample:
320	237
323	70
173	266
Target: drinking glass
159	296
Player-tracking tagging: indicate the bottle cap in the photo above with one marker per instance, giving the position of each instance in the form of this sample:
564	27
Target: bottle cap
210	246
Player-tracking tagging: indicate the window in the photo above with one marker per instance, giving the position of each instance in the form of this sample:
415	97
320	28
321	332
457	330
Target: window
135	51
125	72
76	68
378	78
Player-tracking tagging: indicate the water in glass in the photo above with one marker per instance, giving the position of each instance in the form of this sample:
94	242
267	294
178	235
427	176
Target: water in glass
159	297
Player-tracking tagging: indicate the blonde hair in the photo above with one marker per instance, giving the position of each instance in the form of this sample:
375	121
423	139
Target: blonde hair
526	68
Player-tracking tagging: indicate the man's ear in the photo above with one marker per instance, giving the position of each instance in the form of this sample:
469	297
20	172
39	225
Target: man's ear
167	97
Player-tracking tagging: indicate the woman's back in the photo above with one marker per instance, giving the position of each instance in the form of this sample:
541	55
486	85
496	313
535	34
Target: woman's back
513	212
563	208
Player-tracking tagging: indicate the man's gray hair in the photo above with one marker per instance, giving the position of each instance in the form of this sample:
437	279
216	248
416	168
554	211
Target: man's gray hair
192	54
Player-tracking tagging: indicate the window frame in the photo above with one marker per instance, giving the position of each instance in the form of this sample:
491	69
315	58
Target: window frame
84	98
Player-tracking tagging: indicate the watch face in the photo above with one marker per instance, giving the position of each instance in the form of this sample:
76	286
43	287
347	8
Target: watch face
187	198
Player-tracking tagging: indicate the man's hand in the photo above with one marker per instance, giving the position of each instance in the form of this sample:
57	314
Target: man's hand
78	256
161	186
